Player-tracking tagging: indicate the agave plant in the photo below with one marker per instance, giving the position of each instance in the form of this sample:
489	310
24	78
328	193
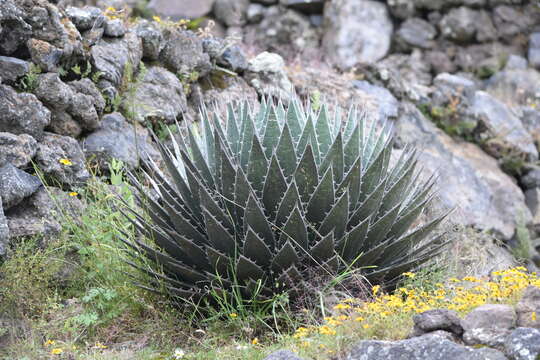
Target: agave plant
259	201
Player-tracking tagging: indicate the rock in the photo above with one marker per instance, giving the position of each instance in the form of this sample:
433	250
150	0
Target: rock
440	62
11	69
483	60
427	347
531	179
115	28
220	91
45	55
464	24
305	6
512	21
356	31
111	56
186	9
4	232
15	185
402	9
115	138
255	13
231	12
17	150
516	87
22	113
183	53
158	98
502	131
532	199
436	319
266	73
282	355
72	111
470	180
387	103
523	344
266	2
286	32
494	338
55	148
528	308
515	62
415	32
152	39
490	316
231	56
14	30
534	50
85	18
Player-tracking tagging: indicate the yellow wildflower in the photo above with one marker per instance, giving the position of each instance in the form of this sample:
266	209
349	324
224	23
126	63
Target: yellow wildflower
365	326
342	306
66	162
57	351
327	330
410	275
48	342
375	289
73	193
255	341
533	316
156	19
100	345
233	315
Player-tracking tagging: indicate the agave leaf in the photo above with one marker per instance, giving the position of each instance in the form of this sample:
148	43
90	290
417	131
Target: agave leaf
337	217
322	130
397	192
195	253
255	249
334	158
271	133
369	206
211	206
324	249
293	121
233	134
285	152
295	230
218	235
254	218
228	177
242	191
158	275
257	165
378	230
248	131
372	175
307	133
290	199
285	258
331	265
352	182
262	114
352	149
185	273
306	176
274	188
354	240
403	222
183	226
352	123
218	261
247	269
289	280
280	113
200	162
322	199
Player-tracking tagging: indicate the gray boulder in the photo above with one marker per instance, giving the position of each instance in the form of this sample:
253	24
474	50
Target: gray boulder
502	131
45	55
267	74
523	344
231	12
52	149
85	18
75	107
110	56
488	325
22	113
158	98
152	39
186	9
118	139
427	347
14	30
17	150
516	87
387	104
485	197
12	68
16	185
415	32
356	31
532	199
282	355
512	21
183	53
528	308
230	56
515	62
464	24
305	6
4	232
534	50
114	28
437	319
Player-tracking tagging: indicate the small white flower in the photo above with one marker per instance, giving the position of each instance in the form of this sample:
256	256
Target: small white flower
178	354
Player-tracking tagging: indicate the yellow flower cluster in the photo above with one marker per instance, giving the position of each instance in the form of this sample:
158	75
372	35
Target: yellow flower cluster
461	295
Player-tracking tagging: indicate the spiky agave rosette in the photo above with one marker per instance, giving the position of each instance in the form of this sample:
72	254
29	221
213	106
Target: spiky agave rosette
259	203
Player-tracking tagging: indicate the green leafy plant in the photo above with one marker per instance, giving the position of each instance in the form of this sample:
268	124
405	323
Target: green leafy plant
29	82
259	206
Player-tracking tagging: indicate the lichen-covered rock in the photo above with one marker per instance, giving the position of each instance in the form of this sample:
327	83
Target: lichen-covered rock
231	12
305	6
118	139
356	32
426	347
4	232
14	30
523	344
387	104
17	150
111	56
464	24
230	56
158	98
185	9
488	325
415	32
516	87
52	152
534	50
220	91
437	319
85	18
183	53
114	28
74	108
12	68
266	73
16	185
22	113
152	39
282	355
512	21
45	55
